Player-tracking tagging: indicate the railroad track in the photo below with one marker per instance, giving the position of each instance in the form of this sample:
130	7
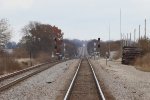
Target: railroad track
16	77
84	85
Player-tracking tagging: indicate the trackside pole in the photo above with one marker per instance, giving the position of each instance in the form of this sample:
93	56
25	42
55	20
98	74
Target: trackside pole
106	57
99	47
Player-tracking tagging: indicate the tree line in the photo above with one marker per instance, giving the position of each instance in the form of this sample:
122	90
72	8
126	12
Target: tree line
37	38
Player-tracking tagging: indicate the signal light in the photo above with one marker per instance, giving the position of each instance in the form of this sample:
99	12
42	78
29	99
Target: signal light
55	39
55	47
99	42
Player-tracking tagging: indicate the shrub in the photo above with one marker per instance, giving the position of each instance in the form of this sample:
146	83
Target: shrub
143	63
42	57
8	64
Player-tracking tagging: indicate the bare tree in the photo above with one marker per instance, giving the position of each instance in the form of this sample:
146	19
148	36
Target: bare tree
4	33
71	47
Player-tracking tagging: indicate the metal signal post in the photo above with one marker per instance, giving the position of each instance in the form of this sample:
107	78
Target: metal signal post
64	49
56	47
94	50
99	46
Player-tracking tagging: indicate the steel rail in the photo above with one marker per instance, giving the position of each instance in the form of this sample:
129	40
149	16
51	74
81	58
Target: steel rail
20	71
23	70
10	84
96	80
72	82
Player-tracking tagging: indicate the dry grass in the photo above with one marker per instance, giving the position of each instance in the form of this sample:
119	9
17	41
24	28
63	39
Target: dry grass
20	53
25	62
8	65
43	57
143	63
117	55
19	60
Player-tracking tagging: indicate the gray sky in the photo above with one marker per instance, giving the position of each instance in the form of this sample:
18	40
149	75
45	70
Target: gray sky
81	19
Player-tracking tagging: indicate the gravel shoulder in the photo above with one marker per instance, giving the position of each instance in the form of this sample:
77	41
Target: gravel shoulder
123	81
46	85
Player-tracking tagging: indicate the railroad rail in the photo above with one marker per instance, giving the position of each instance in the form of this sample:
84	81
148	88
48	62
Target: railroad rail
21	71
20	76
84	85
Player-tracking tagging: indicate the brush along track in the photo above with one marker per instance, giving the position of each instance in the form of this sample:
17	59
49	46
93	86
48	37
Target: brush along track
16	77
84	85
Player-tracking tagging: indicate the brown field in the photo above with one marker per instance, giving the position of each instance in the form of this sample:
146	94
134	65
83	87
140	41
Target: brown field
143	63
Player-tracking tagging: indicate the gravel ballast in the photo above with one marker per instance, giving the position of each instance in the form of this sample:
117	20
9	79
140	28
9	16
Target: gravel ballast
46	85
123	81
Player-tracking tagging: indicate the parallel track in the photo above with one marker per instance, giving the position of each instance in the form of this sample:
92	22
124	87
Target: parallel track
84	85
24	70
34	70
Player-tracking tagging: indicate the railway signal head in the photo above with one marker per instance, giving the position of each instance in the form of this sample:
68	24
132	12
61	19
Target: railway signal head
99	42
55	47
55	39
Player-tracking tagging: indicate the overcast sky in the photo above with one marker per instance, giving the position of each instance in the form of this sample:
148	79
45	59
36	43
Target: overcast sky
81	19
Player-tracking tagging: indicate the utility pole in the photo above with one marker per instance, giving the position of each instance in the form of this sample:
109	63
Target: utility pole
139	35
120	34
145	28
94	50
130	40
127	39
139	32
146	36
124	42
64	50
134	35
109	40
122	39
30	46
